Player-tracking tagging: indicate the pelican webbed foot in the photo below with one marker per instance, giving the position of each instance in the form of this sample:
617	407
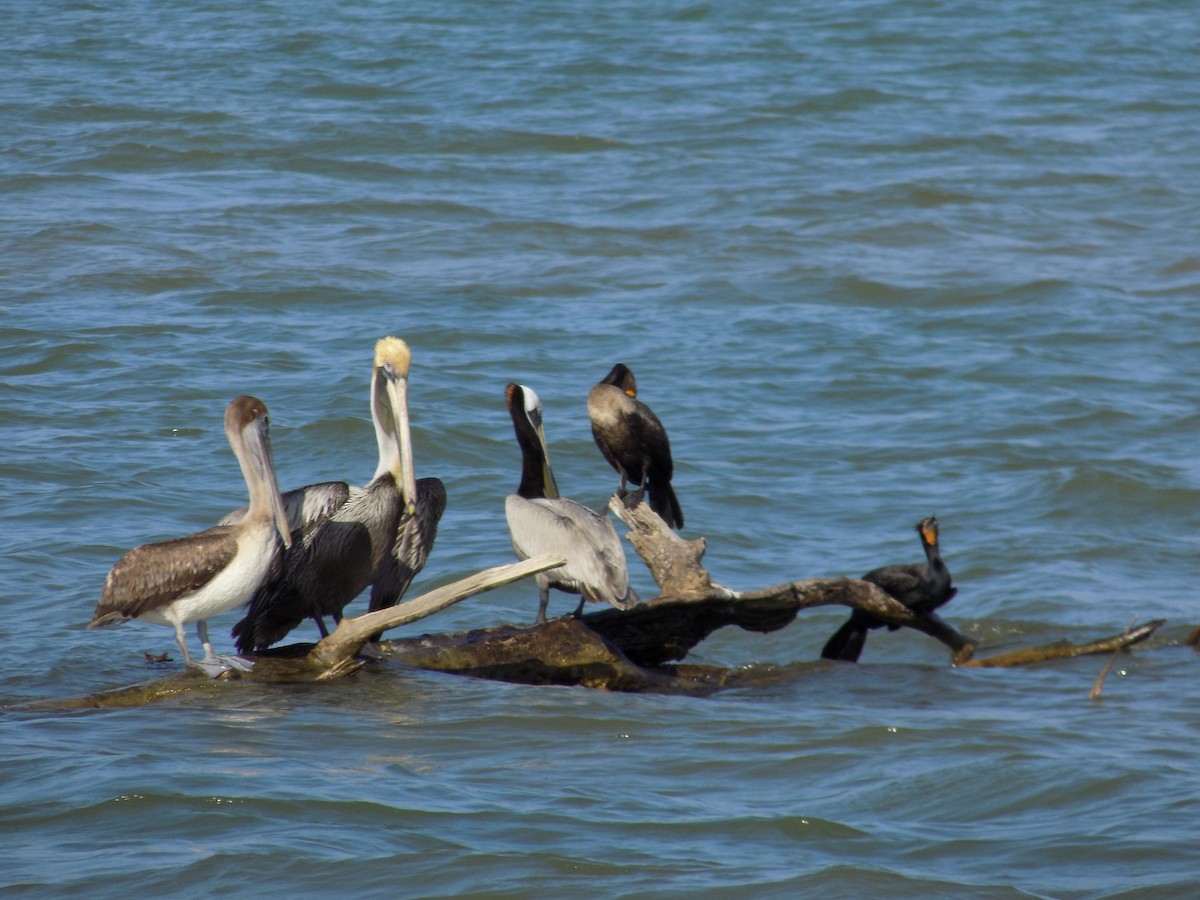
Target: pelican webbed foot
214	666
372	650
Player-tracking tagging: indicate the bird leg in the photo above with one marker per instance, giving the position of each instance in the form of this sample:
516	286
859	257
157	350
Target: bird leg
631	499
543	602
579	609
623	487
212	665
182	641
320	620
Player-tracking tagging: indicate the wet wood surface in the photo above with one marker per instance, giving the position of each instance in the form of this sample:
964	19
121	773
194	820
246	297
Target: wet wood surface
640	649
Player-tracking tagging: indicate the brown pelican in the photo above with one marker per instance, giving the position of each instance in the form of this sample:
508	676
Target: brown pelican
920	587
192	578
634	442
540	521
379	535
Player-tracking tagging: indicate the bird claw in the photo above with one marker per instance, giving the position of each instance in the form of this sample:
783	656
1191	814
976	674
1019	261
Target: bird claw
632	499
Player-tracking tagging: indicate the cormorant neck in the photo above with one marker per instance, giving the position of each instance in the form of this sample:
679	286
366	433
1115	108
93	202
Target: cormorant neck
933	556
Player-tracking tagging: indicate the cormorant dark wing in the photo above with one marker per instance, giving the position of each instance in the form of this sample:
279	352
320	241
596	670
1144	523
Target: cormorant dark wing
902	582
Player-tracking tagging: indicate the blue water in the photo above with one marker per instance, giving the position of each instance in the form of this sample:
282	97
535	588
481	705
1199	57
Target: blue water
869	261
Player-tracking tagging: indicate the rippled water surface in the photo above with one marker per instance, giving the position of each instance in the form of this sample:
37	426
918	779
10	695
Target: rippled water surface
869	261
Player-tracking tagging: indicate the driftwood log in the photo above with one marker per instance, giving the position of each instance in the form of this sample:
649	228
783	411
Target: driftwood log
634	650
333	657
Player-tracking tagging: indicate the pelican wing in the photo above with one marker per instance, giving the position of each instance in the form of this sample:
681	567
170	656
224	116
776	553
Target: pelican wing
415	535
305	507
595	564
153	575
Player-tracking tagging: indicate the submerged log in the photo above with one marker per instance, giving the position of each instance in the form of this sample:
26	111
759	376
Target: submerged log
1066	650
333	657
601	650
564	651
632	650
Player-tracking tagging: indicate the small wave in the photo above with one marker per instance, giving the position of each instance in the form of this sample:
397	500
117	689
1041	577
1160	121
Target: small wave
845	100
488	143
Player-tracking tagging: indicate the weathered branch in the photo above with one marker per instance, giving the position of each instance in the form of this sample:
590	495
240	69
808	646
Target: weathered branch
352	633
673	562
631	650
564	651
676	567
1067	650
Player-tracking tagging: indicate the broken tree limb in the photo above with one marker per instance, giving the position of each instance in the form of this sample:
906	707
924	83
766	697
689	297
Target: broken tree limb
565	651
675	564
1066	650
666	629
633	649
352	633
1098	688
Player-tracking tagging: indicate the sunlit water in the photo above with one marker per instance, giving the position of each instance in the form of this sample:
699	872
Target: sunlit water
869	261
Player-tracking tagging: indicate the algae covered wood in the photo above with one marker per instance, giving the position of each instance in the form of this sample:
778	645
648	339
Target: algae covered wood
1066	650
333	657
632	650
625	650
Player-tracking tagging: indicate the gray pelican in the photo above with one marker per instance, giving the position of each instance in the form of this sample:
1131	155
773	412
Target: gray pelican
192	578
920	587
379	535
634	442
540	521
